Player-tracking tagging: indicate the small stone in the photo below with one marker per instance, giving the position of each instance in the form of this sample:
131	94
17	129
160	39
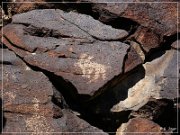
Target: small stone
176	45
139	125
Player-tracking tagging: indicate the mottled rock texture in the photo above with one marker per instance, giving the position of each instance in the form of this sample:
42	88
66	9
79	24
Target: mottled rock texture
27	101
91	67
66	47
139	126
156	20
160	81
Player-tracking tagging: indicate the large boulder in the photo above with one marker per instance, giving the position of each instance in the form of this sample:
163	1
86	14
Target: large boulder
159	82
69	45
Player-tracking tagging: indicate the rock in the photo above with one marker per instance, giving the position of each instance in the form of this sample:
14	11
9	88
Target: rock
39	124
19	84
139	125
176	45
72	21
156	20
146	14
137	48
147	38
133	60
160	82
27	102
103	79
154	109
48	39
21	6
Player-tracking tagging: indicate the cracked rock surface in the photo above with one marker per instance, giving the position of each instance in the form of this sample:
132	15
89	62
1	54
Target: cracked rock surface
69	50
27	102
90	68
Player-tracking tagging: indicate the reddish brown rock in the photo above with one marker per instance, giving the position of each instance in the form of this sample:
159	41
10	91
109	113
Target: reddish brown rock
139	125
147	38
67	50
146	14
156	20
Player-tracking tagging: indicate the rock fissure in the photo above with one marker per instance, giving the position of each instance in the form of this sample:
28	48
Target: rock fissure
90	67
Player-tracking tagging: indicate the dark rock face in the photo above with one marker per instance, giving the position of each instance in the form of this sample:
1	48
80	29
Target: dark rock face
27	101
133	59
68	51
87	67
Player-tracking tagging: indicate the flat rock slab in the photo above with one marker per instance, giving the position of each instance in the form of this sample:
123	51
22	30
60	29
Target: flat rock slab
27	101
66	22
72	49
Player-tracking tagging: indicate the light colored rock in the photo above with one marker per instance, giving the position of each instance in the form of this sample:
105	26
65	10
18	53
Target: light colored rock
160	81
176	45
138	49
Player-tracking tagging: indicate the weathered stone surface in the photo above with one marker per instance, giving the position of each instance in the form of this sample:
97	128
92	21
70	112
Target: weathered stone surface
52	43
155	109
39	124
146	14
176	45
19	83
83	55
133	60
156	20
27	102
70	20
139	51
139	125
147	38
20	6
160	82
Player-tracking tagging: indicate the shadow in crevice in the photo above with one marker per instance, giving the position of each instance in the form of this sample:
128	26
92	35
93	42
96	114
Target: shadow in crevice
124	23
83	8
97	111
2	118
164	46
158	110
65	89
120	91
